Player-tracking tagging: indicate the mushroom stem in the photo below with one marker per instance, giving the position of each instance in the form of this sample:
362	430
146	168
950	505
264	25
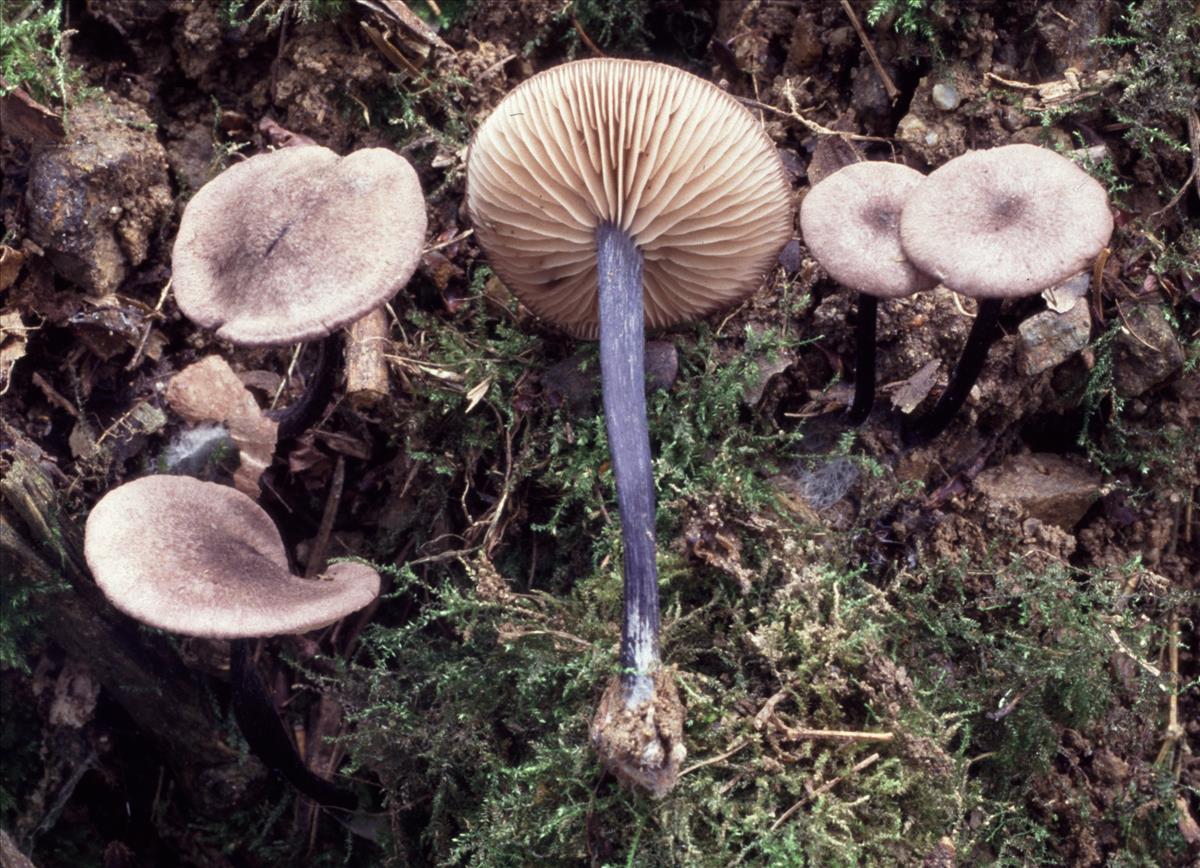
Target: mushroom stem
970	364
623	380
864	367
268	739
296	418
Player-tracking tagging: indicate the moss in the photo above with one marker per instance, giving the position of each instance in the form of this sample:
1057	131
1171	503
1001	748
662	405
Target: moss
33	52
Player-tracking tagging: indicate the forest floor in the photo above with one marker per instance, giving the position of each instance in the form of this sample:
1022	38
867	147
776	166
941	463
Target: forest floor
1001	624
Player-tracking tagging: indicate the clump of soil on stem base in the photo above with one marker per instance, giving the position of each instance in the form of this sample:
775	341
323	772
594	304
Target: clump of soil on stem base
642	744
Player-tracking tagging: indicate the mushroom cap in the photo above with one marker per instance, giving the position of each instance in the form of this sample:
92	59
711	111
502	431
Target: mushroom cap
668	157
1007	222
851	223
290	245
203	559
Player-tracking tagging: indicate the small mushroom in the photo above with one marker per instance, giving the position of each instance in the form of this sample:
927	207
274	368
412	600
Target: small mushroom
202	559
851	223
1003	223
291	245
612	195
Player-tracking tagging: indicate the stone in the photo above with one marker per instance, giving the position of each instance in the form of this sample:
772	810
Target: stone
1048	339
1044	486
1146	352
945	97
97	201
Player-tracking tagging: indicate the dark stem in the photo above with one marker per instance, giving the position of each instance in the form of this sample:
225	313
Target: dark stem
296	418
864	365
983	333
623	383
268	738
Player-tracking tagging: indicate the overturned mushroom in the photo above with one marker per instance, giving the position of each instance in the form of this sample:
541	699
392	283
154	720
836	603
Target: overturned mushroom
612	195
1004	223
202	559
291	245
851	223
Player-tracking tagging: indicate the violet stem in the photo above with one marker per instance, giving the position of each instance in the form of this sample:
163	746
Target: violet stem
864	366
268	738
297	417
970	365
623	383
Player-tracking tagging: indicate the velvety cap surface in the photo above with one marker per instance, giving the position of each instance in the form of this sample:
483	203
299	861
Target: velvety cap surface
1007	222
851	223
288	246
666	156
203	559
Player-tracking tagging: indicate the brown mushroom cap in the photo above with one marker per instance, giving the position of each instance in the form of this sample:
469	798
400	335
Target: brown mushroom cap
1007	222
851	223
289	245
666	156
203	559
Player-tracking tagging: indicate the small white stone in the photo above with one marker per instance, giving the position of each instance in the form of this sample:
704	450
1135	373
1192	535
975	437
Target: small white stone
945	97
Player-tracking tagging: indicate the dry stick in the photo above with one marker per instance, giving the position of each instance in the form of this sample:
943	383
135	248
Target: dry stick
888	84
366	367
141	347
811	126
587	40
1174	730
715	759
823	789
457	238
316	556
845	734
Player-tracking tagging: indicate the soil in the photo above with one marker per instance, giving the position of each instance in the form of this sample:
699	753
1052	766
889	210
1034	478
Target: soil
90	337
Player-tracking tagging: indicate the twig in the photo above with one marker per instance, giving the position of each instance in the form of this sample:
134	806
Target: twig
1174	731
141	347
843	734
1129	329
320	546
457	238
1128	652
811	126
823	789
288	376
587	40
888	84
715	759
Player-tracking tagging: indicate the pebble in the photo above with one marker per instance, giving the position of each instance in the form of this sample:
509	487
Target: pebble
945	97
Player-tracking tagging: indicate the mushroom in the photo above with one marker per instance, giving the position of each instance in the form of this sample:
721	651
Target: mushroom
202	559
851	223
1004	223
612	195
291	245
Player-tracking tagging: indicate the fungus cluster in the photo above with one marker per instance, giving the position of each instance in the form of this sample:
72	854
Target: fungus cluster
611	196
285	247
1003	223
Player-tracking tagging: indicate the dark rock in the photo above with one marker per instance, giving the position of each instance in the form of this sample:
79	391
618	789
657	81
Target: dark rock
1044	486
1146	353
1048	339
96	202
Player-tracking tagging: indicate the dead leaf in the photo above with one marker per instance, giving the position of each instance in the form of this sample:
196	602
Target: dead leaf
209	391
13	341
475	393
10	266
914	390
